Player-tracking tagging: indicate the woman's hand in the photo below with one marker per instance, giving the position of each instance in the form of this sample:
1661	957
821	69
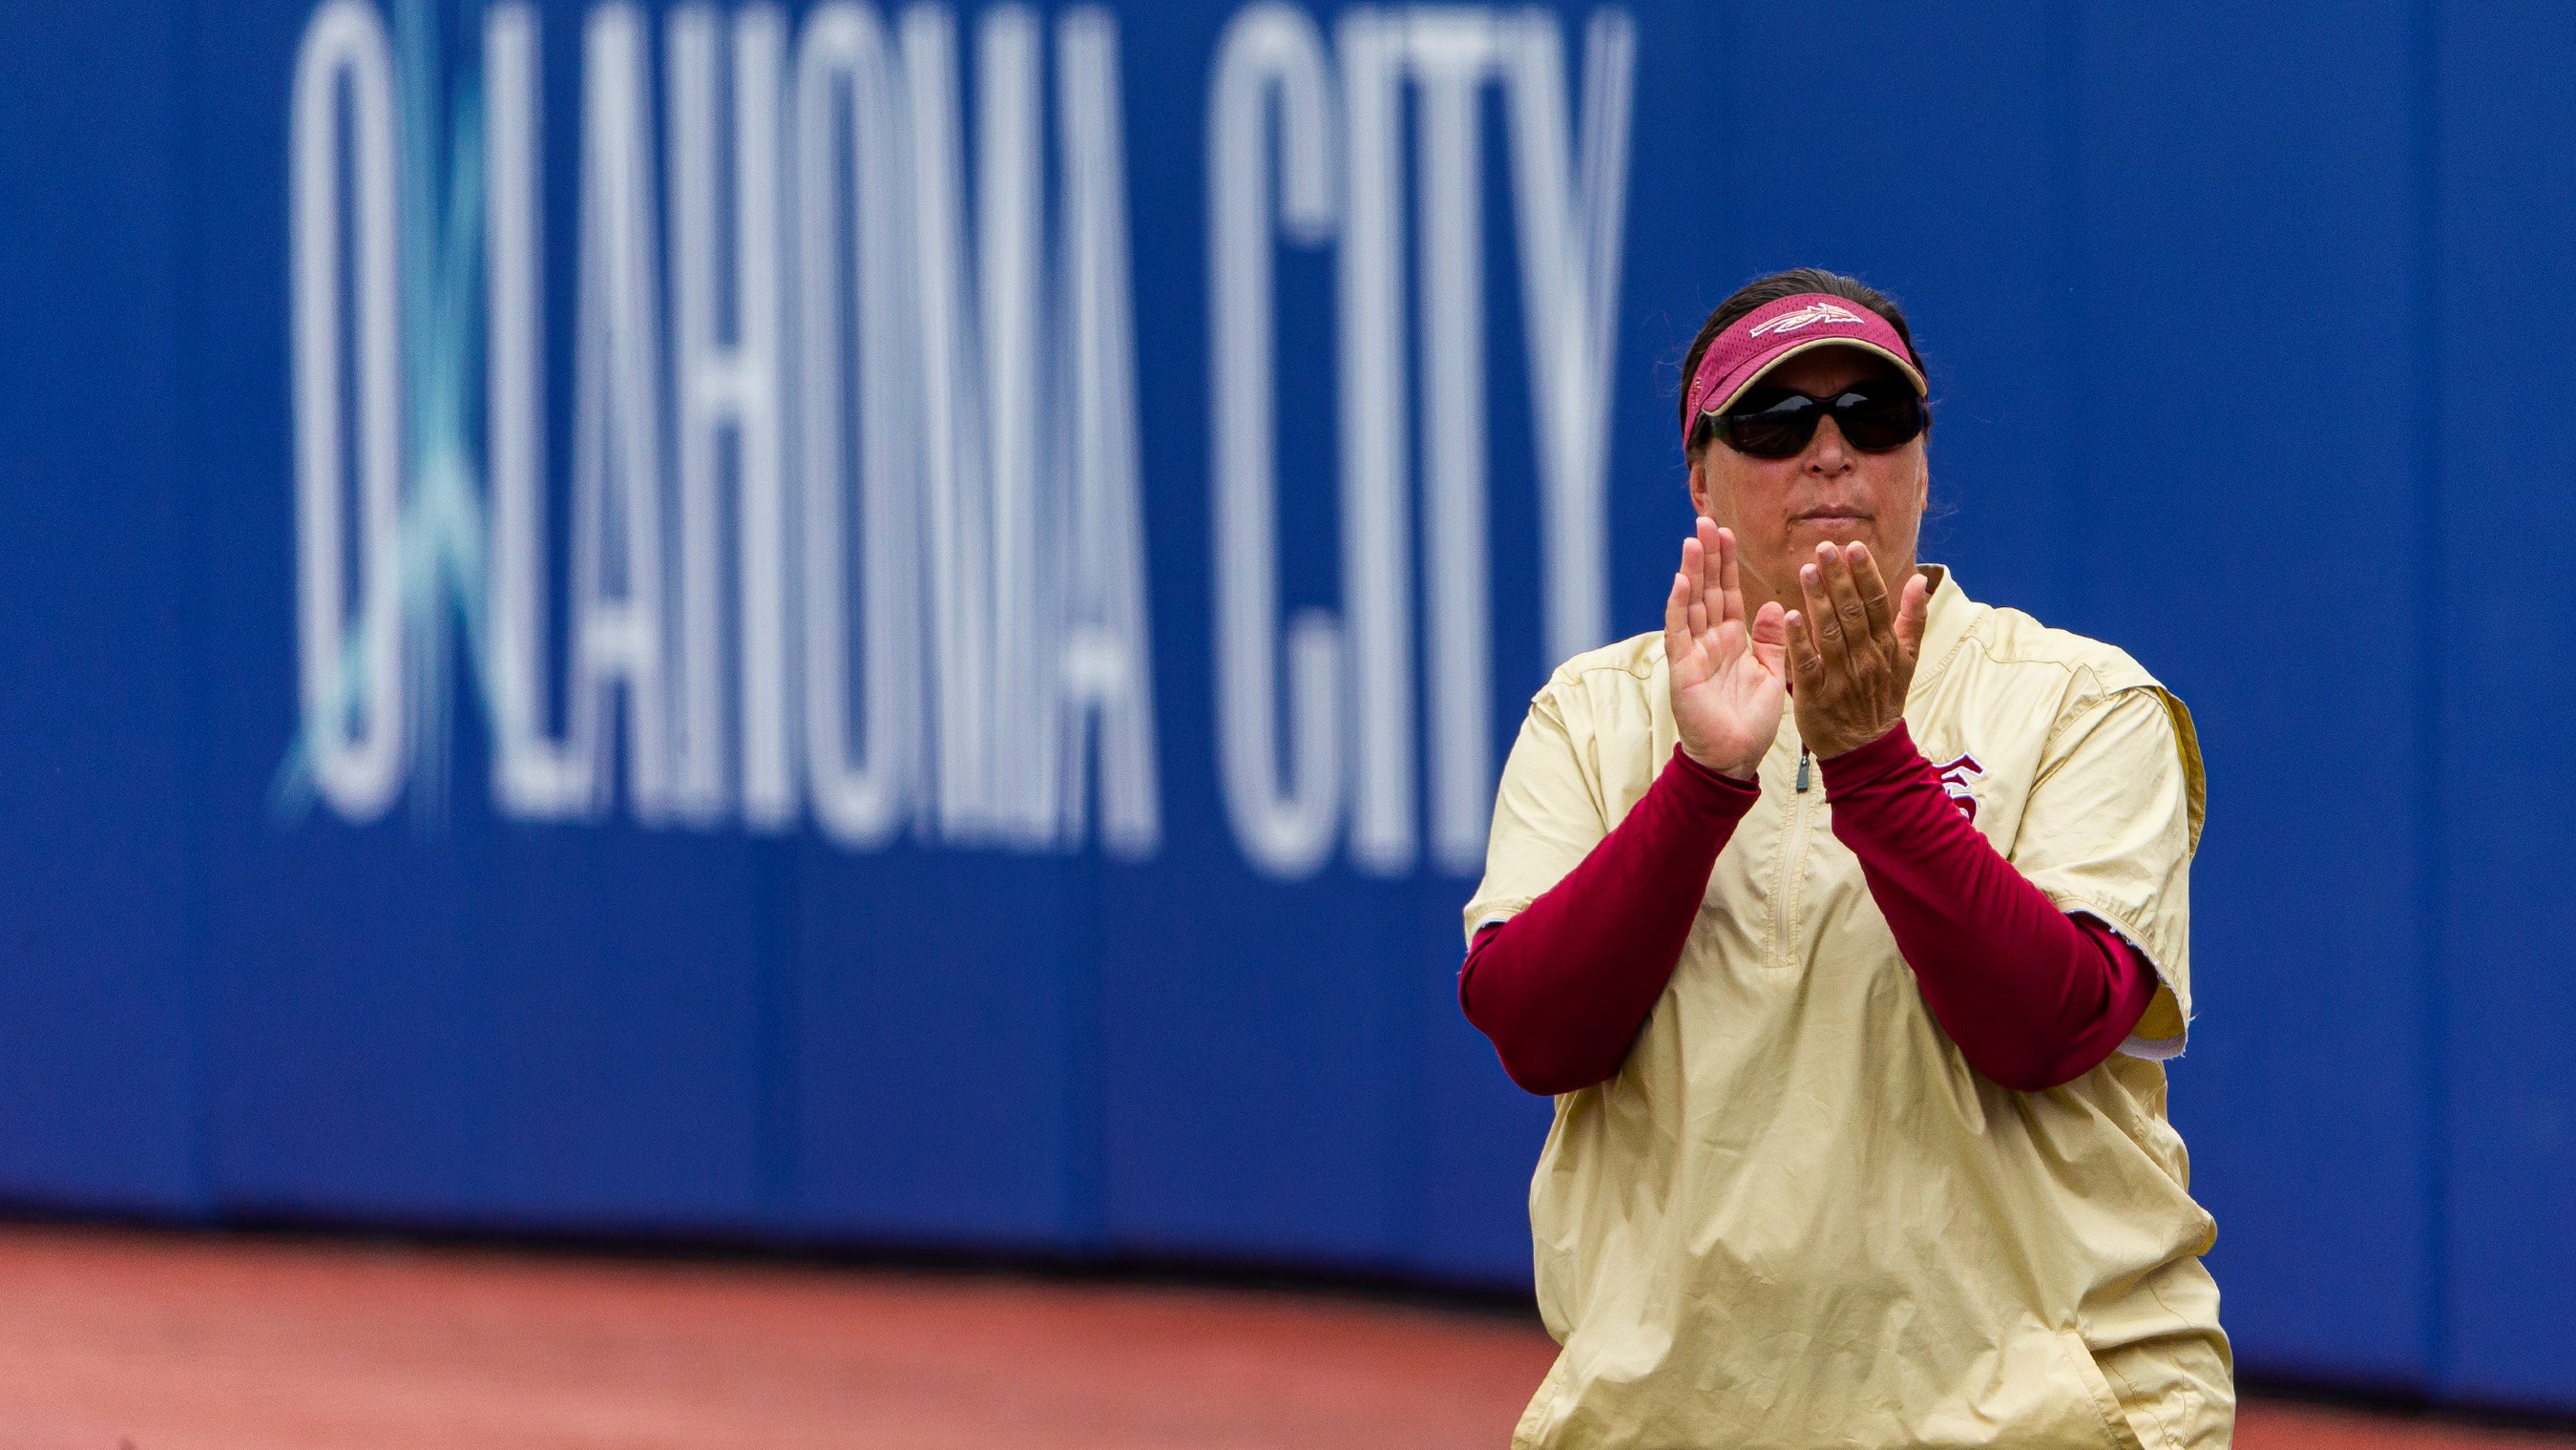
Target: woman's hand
1853	655
1728	675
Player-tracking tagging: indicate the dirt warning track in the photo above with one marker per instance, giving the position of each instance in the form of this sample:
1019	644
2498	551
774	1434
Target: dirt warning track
185	1342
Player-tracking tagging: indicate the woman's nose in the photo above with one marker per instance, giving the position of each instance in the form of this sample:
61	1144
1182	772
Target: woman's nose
1828	453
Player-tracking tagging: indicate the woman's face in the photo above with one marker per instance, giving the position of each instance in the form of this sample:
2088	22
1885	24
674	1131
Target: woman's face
1781	508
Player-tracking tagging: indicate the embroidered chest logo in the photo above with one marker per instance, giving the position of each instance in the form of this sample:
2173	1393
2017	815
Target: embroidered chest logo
1959	782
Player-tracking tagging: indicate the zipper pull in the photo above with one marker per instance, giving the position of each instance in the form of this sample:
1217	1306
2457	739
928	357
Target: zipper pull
1802	766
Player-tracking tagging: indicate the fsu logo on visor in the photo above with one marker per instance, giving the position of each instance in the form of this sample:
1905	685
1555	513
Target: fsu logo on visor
1807	316
1958	782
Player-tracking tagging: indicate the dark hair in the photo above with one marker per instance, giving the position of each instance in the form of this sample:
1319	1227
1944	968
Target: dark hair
1762	291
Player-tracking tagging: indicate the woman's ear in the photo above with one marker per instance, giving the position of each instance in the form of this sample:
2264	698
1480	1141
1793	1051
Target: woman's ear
1699	485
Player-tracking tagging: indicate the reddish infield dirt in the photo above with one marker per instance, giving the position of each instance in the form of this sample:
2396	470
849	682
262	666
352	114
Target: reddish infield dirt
114	1340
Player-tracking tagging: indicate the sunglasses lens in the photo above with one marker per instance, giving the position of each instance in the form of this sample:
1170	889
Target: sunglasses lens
1780	426
1777	431
1876	424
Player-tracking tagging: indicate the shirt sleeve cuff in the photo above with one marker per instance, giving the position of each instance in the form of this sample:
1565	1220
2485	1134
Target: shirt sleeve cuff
1867	765
1712	789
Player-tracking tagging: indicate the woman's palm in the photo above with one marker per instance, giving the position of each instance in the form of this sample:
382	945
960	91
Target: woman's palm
1729	674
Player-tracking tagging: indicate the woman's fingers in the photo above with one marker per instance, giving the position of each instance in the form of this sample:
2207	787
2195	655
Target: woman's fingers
1771	639
1850	616
1805	662
1695	570
1824	624
1912	613
1712	551
1677	641
1873	596
1730	592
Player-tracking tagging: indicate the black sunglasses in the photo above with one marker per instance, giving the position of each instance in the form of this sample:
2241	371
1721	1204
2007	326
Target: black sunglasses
1779	423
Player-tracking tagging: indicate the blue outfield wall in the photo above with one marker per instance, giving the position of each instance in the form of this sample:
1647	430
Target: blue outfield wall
1238	410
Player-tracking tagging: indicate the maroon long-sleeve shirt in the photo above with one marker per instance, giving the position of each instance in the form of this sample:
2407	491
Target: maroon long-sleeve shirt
2033	997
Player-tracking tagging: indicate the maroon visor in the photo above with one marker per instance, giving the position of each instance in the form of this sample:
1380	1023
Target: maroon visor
1777	331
